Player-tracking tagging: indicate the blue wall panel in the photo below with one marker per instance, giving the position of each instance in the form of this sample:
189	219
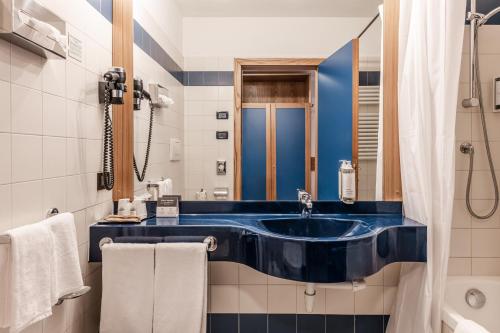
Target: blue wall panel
334	119
290	152
253	154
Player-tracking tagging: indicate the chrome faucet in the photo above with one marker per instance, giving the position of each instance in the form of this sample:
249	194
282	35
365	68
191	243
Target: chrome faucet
306	203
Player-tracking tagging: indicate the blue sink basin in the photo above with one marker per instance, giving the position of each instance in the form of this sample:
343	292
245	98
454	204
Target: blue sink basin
314	227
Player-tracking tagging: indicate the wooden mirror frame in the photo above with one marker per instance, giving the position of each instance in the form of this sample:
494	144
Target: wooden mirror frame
123	41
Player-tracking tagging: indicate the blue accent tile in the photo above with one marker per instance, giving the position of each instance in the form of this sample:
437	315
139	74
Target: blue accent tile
310	324
485	6
224	323
339	324
210	78
373	78
138	31
253	323
363	78
208	322
107	9
369	324
195	78
282	323
96	4
226	78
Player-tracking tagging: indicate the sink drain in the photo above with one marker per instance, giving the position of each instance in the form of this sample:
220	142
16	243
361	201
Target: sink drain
475	298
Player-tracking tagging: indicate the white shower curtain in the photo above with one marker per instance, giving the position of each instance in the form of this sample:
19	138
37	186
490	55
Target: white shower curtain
430	46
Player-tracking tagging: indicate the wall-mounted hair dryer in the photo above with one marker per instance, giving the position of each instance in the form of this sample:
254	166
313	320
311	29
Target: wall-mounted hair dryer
139	93
111	91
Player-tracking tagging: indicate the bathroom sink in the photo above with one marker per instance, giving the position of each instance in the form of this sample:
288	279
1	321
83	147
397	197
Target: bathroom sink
313	227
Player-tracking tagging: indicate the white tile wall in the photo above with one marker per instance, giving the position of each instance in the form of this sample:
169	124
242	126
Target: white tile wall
45	104
238	288
474	243
202	149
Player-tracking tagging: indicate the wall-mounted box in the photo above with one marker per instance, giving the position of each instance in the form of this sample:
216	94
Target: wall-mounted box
33	27
175	149
222	135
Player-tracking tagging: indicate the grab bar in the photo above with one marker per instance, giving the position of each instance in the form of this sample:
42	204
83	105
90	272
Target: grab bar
5	239
210	241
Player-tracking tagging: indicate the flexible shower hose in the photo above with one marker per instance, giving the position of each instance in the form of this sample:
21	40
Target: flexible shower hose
107	156
486	143
142	175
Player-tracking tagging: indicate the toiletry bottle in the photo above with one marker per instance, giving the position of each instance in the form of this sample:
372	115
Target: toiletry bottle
347	182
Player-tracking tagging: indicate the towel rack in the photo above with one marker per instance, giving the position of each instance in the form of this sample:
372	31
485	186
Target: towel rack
5	239
210	241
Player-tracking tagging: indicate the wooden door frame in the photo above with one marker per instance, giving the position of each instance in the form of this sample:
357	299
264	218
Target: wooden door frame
241	64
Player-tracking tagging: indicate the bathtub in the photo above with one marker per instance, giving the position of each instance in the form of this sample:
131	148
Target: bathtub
456	307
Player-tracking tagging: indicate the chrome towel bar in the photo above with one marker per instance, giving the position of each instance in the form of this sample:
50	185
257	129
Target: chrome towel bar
210	241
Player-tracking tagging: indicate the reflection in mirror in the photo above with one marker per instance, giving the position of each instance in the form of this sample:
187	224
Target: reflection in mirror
253	134
370	112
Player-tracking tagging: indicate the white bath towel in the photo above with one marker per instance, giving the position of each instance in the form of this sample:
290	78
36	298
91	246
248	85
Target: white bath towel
66	265
180	288
127	288
469	326
27	287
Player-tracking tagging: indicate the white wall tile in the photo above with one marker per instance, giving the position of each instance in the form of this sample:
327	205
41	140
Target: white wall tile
485	243
54	115
339	301
75	82
6	158
460	243
26	110
4	60
54	157
282	298
248	275
224	299
27	203
5	207
222	272
5	106
54	194
369	300
486	266
26	69
75	127
253	299
54	76
26	157
459	266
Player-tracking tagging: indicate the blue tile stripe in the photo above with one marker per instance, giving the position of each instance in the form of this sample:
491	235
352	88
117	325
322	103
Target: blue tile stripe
300	323
105	7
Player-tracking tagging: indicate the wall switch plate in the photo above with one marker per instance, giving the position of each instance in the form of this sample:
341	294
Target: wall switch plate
221	167
222	135
222	115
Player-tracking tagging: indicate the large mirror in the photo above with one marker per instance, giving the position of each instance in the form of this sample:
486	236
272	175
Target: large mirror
238	117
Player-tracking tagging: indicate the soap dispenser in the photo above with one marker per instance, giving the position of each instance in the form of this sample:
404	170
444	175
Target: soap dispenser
347	182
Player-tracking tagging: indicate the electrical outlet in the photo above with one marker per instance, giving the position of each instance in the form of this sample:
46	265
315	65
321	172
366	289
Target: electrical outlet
100	181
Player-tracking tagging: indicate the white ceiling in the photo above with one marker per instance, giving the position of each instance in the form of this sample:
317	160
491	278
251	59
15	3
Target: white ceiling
279	8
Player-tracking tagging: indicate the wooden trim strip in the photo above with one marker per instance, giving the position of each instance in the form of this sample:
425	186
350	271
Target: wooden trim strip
123	121
269	157
237	130
307	109
273	152
392	172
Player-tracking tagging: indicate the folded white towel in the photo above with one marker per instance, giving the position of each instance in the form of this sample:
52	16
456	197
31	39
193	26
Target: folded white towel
66	265
180	300
27	289
469	326
4	284
127	288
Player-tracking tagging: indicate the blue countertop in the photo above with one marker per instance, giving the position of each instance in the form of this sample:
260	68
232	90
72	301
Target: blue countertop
371	241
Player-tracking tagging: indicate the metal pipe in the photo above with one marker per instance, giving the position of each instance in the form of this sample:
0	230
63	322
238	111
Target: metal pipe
486	17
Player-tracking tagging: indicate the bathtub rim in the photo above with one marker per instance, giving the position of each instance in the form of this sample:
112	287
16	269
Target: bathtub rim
448	314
